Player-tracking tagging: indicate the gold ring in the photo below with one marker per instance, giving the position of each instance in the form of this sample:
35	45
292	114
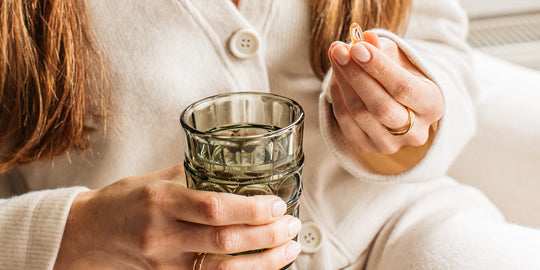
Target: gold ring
409	127
197	264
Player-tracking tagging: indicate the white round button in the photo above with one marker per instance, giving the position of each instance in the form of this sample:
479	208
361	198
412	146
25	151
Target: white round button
244	43
310	237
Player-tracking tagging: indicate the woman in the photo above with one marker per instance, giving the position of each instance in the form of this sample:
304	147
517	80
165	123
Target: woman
375	196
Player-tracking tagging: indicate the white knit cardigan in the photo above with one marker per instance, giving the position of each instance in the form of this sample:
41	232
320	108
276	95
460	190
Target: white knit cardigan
165	54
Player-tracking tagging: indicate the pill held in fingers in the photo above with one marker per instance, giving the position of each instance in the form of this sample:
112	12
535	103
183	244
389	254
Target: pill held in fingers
358	51
355	32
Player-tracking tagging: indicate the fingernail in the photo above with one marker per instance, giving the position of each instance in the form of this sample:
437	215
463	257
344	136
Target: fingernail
341	54
334	44
278	208
294	226
292	250
360	53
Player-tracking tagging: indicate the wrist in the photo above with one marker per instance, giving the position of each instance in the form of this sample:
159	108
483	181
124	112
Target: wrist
75	236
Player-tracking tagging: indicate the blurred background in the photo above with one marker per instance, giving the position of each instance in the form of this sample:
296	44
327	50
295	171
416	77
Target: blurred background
503	158
506	29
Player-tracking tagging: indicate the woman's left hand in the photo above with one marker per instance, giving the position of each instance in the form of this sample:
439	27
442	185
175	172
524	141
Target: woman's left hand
372	87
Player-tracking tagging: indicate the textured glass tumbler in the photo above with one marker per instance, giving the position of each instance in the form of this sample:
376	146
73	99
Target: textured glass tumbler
245	143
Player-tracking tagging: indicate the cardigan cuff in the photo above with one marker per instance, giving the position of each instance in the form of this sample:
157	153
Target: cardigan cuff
32	226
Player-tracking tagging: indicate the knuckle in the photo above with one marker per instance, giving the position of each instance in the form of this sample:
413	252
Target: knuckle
225	240
418	138
436	110
361	115
147	242
256	212
152	195
433	112
212	209
404	89
384	112
273	237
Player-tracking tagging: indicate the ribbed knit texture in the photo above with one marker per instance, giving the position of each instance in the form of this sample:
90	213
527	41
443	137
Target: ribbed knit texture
31	228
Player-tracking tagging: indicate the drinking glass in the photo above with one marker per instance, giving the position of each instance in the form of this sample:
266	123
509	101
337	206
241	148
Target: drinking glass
246	143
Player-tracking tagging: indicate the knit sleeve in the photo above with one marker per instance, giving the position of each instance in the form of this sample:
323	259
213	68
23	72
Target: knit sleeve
435	43
31	228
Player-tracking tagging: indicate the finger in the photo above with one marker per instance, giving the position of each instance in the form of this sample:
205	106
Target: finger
383	106
216	209
271	259
401	84
334	44
372	38
354	135
232	239
383	141
339	53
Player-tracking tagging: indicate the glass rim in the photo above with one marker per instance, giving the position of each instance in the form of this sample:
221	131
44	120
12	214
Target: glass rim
294	123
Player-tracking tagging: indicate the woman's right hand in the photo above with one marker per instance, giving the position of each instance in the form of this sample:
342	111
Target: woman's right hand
151	222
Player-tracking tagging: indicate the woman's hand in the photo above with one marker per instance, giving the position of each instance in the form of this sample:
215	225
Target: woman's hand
151	222
372	87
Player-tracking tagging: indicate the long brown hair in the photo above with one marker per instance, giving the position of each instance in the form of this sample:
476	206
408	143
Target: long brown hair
51	76
48	80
